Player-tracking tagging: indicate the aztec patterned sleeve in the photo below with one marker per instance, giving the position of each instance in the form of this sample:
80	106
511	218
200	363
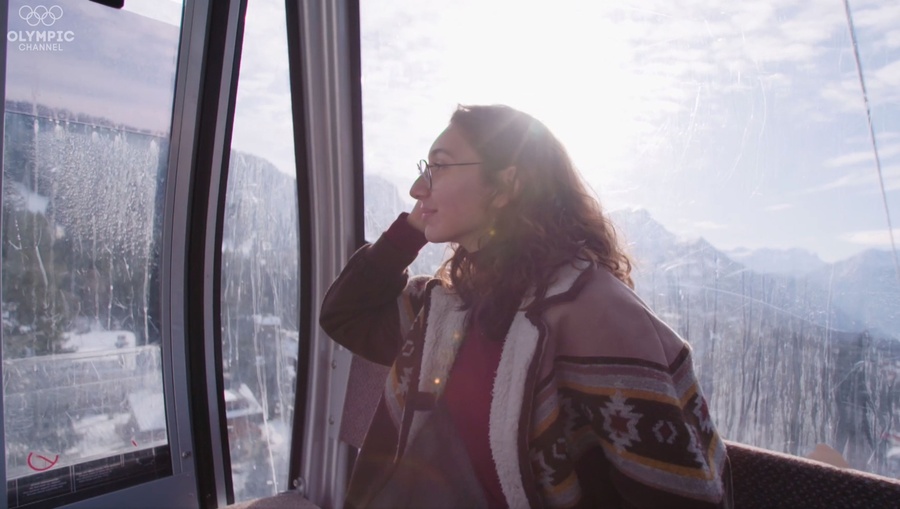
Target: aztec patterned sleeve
624	431
651	423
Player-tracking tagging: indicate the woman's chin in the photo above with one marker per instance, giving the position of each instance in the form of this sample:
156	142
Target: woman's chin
433	236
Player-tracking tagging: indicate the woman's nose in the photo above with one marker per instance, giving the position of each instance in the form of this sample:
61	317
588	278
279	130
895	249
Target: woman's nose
419	188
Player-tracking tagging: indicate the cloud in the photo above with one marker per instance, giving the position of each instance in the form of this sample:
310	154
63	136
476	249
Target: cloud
860	168
880	18
891	176
863	157
872	238
876	26
851	159
779	207
892	40
853	179
167	11
263	125
709	225
863	178
885	82
845	94
122	68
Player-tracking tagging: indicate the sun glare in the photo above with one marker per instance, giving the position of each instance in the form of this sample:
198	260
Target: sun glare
685	109
580	74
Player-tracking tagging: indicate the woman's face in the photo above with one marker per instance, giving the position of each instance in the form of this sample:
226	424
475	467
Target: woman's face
457	207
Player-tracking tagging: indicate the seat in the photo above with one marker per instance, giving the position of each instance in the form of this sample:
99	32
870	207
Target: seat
773	480
287	500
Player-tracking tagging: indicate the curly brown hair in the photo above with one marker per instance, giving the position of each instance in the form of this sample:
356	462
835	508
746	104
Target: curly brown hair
550	221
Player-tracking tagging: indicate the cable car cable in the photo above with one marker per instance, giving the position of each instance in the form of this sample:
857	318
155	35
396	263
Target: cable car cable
862	84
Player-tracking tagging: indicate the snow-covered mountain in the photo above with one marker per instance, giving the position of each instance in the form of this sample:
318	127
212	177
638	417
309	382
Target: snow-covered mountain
867	287
856	294
790	262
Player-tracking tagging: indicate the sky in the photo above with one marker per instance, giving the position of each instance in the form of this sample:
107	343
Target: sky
742	123
110	64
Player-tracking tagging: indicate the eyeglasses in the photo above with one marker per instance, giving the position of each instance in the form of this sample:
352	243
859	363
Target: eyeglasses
426	170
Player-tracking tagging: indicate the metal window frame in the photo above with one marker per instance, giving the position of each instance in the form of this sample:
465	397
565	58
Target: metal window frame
180	489
206	136
304	241
3	24
203	285
326	38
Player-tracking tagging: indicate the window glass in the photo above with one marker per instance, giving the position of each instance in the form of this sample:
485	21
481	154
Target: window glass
260	332
730	143
88	109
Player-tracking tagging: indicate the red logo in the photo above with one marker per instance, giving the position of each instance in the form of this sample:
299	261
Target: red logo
43	462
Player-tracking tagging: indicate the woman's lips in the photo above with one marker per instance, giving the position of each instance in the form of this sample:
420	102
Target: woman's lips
426	213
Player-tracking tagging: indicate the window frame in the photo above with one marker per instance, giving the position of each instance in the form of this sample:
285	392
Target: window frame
324	39
178	489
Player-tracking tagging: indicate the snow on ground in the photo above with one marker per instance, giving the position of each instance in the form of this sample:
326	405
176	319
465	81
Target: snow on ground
99	340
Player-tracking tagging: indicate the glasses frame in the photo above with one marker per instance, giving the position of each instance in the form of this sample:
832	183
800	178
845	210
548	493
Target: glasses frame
426	170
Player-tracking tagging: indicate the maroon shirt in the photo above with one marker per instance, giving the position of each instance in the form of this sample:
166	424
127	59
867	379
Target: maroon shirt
468	397
468	392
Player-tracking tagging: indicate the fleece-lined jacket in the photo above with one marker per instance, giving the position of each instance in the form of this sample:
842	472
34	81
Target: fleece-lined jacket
595	402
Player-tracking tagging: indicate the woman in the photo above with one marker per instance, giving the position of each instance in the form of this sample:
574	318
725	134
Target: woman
527	373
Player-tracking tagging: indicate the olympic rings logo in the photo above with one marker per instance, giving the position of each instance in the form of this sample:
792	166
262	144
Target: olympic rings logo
40	15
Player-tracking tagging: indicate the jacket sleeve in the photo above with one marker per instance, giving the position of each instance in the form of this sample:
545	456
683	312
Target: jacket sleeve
366	307
633	412
658	439
640	436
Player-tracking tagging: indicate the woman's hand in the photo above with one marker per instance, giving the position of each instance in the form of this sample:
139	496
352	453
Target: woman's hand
415	218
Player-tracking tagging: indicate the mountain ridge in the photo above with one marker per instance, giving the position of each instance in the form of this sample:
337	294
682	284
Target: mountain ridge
838	296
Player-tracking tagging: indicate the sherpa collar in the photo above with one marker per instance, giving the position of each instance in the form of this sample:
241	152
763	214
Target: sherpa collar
444	334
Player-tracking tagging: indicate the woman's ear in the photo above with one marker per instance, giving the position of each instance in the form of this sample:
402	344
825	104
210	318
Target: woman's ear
508	187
